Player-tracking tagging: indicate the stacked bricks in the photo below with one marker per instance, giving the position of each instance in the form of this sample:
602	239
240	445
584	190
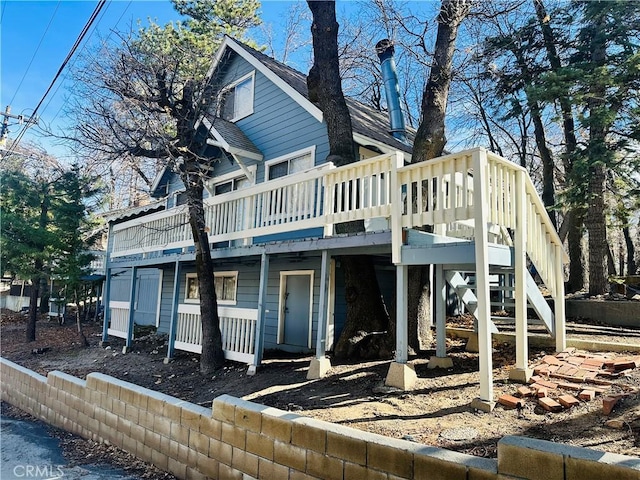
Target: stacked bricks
241	440
561	381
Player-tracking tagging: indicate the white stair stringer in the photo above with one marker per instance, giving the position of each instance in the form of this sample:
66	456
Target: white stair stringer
540	305
466	295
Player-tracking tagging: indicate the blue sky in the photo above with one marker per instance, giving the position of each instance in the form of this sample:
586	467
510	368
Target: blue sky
36	36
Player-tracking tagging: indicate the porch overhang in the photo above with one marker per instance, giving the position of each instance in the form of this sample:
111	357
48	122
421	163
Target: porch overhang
231	138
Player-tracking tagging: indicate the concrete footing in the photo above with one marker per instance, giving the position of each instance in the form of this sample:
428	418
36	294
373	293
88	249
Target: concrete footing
472	343
521	375
440	362
482	405
318	368
401	375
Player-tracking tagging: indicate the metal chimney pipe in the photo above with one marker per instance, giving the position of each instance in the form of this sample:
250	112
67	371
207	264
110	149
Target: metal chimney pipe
385	50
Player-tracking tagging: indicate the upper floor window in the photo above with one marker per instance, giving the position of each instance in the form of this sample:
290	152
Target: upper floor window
236	100
225	284
296	162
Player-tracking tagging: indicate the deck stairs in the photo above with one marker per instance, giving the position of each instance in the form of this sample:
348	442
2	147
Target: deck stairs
501	286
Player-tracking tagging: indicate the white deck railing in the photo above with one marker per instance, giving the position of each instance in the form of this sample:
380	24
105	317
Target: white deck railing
118	319
438	192
238	327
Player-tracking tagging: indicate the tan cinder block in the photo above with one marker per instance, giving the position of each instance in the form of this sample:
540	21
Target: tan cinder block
309	433
146	419
171	410
139	399
152	439
211	428
268	470
224	409
324	466
183	454
260	445
192	415
164	445
160	460
295	475
234	435
278	428
353	471
126	395
138	433
245	462
155	405
113	389
199	442
584	463
179	433
162	425
207	466
176	468
249	417
290	455
221	451
516	455
430	468
390	457
229	473
194	474
124	426
110	419
347	447
129	445
131	413
144	452
119	407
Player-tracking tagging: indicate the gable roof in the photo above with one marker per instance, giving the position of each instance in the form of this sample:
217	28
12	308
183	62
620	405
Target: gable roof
366	121
230	137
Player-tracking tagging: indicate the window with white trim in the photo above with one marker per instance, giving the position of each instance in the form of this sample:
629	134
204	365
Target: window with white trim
236	100
287	165
225	283
192	289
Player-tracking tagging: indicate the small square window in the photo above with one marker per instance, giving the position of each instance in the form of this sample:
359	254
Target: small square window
226	285
236	101
192	291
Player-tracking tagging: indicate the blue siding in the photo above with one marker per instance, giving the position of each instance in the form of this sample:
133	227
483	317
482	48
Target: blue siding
120	286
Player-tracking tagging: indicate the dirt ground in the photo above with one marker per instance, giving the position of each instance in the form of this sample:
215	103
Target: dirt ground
436	412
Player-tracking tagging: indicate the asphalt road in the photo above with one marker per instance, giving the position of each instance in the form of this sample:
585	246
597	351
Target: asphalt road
28	452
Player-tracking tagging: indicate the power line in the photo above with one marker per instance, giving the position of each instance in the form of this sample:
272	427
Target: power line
75	46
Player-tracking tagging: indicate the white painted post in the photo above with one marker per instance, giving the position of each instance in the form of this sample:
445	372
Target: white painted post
481	215
402	290
320	365
558	302
396	209
440	294
520	271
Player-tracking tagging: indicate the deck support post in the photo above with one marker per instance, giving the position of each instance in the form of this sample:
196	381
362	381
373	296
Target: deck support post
106	317
320	365
521	372
558	302
132	305
440	360
262	299
174	312
401	374
481	217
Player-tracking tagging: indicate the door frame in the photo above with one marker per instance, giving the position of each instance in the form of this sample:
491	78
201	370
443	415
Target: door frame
282	299
159	301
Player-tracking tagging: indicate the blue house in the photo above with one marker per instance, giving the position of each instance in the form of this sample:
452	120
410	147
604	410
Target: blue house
272	202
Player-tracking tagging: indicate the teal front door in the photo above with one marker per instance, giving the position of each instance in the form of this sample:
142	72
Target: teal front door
296	310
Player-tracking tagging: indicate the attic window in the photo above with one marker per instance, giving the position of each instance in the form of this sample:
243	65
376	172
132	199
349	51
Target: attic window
236	100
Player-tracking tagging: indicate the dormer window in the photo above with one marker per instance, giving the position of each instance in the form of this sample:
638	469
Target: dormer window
236	100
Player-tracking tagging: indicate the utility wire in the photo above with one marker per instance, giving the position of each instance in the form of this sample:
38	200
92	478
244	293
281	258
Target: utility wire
86	28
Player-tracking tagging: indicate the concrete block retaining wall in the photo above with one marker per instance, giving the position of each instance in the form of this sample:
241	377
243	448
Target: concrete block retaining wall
241	440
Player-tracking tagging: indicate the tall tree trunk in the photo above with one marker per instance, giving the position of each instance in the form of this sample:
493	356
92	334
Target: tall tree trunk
631	251
212	356
365	309
576	265
429	143
597	160
81	336
33	304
